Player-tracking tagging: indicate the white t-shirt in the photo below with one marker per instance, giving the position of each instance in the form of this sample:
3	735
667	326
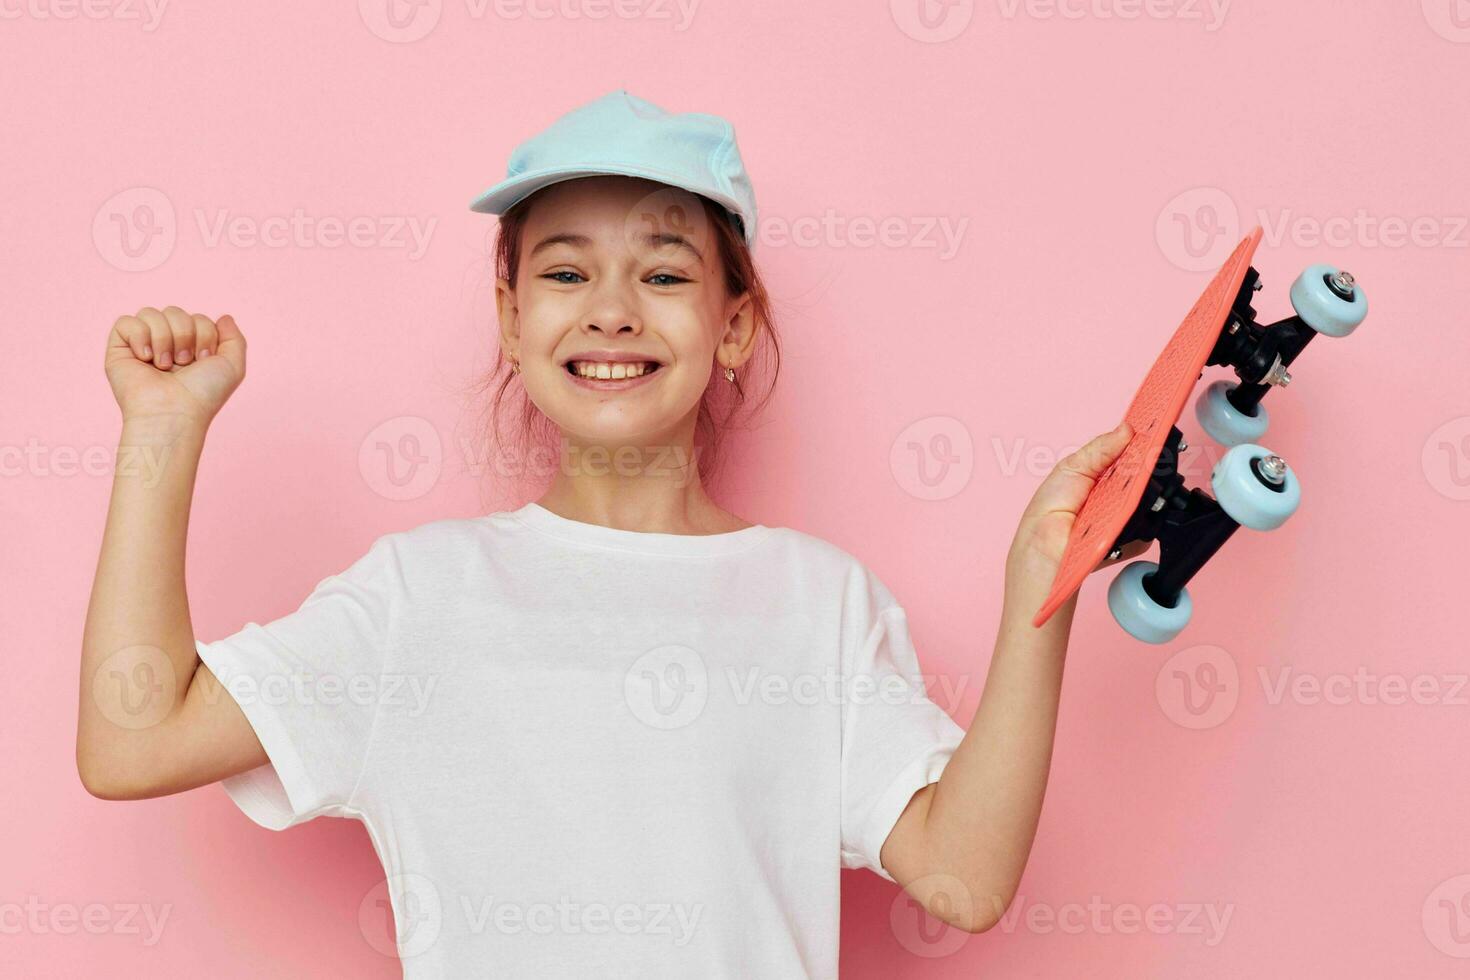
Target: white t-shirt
585	751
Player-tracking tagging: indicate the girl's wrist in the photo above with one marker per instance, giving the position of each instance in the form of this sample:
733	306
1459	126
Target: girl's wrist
154	449
1029	574
1026	590
1028	578
1028	560
161	427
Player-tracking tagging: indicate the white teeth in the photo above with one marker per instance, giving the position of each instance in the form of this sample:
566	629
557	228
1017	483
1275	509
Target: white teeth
614	371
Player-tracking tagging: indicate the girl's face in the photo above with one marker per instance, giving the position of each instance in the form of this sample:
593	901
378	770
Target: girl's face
621	266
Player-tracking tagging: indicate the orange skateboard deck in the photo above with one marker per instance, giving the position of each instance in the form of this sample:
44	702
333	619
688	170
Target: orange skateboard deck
1155	409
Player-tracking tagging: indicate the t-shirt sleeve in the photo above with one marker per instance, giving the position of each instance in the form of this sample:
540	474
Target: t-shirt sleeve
895	740
308	683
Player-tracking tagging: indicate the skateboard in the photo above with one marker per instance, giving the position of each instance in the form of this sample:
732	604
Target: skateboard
1143	497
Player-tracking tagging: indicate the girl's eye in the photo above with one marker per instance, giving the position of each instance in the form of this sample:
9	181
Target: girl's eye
671	279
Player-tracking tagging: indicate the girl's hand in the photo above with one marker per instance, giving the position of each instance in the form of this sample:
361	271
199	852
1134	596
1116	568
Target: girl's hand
1047	521
172	362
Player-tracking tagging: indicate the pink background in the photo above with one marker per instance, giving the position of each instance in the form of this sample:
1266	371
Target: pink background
1095	160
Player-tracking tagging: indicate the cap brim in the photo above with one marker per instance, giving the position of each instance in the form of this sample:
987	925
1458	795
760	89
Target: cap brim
509	192
501	197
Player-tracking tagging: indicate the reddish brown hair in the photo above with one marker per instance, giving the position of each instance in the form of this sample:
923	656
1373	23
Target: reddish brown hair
724	405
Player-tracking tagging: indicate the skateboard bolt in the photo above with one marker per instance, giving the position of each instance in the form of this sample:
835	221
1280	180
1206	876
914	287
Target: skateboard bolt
1182	446
1342	283
1115	553
1278	375
1158	505
1257	286
1273	468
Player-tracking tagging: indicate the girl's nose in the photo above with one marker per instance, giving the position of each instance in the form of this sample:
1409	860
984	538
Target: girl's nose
614	308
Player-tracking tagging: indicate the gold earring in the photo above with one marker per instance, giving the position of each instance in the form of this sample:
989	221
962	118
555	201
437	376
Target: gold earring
730	374
515	366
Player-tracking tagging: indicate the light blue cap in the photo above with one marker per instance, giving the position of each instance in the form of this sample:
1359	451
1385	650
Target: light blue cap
623	134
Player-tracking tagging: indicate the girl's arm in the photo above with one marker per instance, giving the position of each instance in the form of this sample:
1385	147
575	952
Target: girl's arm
962	843
150	720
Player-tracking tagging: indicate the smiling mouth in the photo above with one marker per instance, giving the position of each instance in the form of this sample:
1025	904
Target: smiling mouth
604	371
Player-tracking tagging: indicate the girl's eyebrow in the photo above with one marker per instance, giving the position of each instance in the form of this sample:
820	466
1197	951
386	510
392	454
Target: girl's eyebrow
563	238
662	238
655	239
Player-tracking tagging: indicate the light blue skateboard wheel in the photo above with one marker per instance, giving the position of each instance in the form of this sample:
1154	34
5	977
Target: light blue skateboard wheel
1324	310
1242	494
1225	423
1136	611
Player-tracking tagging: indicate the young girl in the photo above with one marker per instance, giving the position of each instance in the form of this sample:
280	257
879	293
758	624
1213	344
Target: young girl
618	731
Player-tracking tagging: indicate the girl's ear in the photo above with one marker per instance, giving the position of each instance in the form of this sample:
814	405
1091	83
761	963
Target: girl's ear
508	315
740	330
